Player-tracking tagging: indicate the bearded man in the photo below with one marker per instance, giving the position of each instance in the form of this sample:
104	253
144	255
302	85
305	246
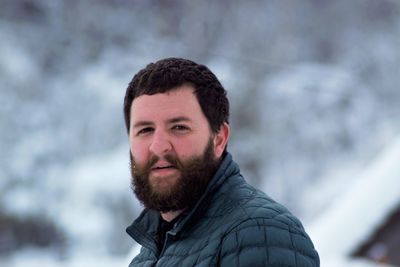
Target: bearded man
199	210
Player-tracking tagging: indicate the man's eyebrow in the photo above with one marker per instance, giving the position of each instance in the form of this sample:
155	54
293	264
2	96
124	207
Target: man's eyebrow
142	124
172	120
179	119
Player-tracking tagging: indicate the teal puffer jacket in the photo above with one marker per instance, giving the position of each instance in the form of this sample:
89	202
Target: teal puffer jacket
233	224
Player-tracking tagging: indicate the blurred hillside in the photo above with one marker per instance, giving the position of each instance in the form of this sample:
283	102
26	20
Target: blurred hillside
313	87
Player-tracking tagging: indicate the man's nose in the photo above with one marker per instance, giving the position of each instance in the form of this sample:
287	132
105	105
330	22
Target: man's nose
160	144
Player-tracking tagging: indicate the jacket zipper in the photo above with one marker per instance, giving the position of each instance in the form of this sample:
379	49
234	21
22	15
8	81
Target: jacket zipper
168	235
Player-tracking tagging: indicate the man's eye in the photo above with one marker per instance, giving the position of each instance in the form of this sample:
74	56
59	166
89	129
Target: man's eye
144	131
180	128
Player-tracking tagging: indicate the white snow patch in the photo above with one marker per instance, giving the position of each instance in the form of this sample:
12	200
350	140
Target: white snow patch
361	209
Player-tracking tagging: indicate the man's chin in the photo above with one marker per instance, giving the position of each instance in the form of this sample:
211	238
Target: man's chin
163	185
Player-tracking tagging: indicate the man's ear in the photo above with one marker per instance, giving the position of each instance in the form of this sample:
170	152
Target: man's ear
221	139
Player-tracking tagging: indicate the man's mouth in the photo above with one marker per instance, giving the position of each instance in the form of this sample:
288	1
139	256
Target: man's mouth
160	168
163	166
163	170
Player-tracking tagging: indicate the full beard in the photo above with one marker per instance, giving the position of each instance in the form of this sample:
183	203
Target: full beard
193	177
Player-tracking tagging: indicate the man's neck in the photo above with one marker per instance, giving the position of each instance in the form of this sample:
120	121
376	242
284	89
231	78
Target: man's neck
170	215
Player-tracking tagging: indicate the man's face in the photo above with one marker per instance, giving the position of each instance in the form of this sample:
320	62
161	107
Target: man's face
173	150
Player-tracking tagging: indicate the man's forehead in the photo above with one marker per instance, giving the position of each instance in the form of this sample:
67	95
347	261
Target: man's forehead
181	102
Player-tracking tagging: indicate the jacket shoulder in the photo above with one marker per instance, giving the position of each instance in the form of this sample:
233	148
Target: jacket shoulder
238	197
262	230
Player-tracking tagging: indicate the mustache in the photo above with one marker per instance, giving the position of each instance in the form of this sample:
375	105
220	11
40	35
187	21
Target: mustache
172	160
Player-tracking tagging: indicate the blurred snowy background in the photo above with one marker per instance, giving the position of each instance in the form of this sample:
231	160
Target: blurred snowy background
313	85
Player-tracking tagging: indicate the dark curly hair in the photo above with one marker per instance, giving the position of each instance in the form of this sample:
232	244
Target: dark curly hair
169	73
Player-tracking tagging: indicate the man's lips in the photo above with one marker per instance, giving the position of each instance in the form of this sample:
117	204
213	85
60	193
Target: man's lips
163	171
164	166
